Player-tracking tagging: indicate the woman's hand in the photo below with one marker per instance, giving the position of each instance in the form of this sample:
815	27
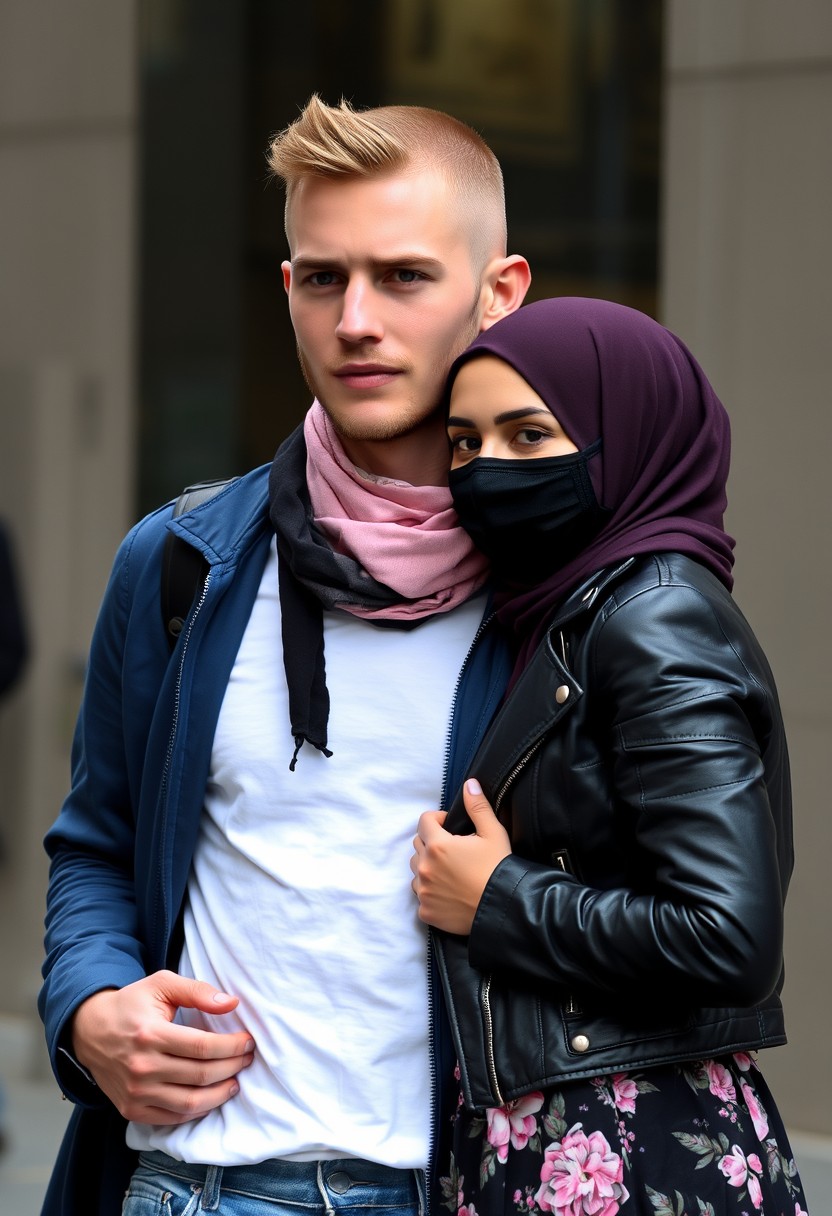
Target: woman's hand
450	872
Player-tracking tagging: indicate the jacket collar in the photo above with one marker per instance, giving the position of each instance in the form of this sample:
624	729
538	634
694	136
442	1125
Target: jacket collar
230	522
583	598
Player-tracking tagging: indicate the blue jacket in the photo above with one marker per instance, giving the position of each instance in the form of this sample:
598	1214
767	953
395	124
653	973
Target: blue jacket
122	845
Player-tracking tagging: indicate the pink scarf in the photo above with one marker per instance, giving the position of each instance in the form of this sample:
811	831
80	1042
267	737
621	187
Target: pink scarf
407	537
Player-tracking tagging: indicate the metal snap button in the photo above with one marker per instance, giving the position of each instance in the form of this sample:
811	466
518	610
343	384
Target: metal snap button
580	1043
339	1182
562	694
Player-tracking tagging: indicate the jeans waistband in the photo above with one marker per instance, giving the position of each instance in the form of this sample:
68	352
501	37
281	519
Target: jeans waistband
329	1184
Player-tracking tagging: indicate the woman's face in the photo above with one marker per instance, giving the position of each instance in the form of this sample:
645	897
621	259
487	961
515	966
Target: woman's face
495	412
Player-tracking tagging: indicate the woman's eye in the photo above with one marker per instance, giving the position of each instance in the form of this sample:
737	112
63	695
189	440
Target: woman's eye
466	443
529	437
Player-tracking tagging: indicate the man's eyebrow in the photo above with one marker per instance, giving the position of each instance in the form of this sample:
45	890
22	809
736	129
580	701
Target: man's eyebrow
309	261
525	411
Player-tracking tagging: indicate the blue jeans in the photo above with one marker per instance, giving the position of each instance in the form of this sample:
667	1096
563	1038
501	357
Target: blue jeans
162	1186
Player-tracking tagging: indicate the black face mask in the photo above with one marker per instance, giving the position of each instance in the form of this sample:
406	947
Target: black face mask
530	517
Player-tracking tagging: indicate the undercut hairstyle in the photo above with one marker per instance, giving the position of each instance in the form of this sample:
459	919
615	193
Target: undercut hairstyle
341	142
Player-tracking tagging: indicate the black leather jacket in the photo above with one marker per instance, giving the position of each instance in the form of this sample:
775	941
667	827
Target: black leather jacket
640	766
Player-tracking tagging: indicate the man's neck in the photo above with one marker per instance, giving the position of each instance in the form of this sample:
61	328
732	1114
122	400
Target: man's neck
420	458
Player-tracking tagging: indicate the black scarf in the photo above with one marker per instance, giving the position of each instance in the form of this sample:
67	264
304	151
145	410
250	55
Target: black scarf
311	577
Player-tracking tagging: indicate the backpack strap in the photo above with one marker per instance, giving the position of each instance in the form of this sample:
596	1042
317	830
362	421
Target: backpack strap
183	567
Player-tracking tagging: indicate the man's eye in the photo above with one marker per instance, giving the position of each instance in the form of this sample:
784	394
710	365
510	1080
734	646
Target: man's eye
408	276
323	278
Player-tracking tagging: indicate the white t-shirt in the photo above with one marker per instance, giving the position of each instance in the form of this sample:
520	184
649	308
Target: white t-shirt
299	898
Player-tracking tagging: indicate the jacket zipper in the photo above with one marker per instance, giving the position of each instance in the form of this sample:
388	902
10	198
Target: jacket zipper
163	785
483	625
515	772
434	1088
485	992
485	995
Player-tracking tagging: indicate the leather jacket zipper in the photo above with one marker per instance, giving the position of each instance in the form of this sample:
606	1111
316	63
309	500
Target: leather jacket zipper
489	1040
430	1172
515	772
485	991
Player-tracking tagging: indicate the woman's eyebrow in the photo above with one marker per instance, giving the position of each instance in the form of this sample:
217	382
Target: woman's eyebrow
525	411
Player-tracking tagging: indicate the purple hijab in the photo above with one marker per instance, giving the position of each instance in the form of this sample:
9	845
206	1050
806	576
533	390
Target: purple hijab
608	371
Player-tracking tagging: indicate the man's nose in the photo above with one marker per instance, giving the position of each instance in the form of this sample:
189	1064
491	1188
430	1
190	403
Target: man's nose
360	314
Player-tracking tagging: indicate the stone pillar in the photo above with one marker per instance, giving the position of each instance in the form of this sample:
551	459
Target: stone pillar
747	282
67	191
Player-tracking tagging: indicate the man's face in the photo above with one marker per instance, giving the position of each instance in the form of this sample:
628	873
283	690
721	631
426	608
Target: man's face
383	295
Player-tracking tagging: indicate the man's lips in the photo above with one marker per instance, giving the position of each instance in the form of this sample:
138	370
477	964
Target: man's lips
366	375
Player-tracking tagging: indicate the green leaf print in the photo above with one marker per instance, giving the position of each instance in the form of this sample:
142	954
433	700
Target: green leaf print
696	1075
705	1147
554	1121
487	1164
664	1205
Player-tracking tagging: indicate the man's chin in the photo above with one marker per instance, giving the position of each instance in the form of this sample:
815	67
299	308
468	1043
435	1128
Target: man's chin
373	422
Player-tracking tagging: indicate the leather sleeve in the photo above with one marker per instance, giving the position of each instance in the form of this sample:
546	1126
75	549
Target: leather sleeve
689	718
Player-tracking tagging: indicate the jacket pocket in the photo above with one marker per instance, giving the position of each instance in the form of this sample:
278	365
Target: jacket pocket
562	861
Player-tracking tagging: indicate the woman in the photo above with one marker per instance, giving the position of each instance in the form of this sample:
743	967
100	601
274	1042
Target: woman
609	889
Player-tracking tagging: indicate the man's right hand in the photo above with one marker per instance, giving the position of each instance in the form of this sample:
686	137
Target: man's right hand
153	1070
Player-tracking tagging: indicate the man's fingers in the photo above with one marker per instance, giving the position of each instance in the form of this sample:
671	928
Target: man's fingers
184	993
187	1042
151	1075
170	1105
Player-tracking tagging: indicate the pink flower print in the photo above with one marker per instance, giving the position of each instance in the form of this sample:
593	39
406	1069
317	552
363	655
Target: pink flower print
514	1122
742	1060
735	1167
625	1092
755	1191
755	1110
798	1210
581	1176
518	1196
468	1209
719	1081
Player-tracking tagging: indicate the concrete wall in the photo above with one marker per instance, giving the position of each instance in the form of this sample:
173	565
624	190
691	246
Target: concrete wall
747	281
67	189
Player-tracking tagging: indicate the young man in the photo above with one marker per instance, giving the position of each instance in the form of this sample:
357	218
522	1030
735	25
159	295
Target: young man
235	964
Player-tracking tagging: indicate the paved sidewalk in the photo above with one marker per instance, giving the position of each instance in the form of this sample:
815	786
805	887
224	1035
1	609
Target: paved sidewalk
34	1117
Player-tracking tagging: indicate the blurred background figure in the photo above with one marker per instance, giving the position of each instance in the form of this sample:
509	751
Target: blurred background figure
14	647
14	651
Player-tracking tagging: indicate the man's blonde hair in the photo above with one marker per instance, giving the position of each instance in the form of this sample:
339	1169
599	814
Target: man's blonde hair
341	142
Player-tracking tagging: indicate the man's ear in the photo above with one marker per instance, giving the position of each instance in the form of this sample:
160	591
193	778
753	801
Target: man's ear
286	267
505	284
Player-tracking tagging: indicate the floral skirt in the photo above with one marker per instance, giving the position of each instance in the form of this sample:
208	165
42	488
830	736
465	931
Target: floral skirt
702	1138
